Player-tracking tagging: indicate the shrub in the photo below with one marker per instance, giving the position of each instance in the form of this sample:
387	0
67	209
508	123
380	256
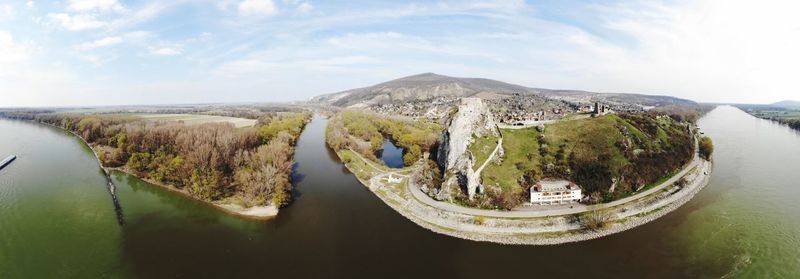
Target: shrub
595	220
706	148
478	220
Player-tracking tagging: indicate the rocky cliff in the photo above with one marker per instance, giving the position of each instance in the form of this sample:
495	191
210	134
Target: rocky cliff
470	121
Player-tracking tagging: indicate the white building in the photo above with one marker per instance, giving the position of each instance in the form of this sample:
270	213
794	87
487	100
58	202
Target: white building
555	192
393	179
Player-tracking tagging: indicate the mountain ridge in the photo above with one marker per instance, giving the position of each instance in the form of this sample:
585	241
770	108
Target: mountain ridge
429	85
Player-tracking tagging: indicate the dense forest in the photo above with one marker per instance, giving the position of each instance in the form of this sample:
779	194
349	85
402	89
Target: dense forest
212	161
364	133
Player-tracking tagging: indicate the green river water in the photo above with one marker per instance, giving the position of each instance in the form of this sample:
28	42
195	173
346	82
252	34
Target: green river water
58	220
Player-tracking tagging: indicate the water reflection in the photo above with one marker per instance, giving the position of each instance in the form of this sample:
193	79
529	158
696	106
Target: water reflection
391	154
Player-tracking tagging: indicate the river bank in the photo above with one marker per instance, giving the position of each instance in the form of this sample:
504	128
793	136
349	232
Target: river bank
254	212
526	228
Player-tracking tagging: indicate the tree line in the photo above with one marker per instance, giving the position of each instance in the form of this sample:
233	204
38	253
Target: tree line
365	132
212	161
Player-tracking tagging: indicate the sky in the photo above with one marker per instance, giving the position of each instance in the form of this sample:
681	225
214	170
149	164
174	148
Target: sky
115	52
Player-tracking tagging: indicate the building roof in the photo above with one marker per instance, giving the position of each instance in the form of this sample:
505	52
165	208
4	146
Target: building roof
551	185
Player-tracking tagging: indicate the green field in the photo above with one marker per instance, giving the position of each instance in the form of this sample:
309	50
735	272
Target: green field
635	149
521	154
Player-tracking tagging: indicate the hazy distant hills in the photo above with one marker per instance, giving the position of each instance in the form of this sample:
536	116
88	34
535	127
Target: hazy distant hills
429	85
788	104
420	87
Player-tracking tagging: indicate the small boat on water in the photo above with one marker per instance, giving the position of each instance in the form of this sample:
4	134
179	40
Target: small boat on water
7	161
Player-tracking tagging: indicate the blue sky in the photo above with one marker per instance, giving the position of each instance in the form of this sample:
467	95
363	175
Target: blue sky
112	52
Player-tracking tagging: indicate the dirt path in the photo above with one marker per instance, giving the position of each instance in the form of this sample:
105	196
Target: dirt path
491	156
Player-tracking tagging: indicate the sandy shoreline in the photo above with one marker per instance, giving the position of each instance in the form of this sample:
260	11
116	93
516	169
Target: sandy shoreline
255	212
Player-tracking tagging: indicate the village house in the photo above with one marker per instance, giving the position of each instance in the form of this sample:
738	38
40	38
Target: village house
551	191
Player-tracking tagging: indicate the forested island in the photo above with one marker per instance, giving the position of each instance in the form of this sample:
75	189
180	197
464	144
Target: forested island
239	168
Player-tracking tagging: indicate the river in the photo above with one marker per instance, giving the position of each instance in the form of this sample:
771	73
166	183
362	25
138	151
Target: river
57	219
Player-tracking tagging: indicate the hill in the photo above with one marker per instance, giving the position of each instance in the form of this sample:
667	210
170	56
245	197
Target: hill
419	87
429	86
787	104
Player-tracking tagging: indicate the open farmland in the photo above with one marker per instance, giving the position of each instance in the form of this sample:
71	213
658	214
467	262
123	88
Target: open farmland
196	119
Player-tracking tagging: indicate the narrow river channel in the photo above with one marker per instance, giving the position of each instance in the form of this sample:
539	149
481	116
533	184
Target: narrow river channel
57	220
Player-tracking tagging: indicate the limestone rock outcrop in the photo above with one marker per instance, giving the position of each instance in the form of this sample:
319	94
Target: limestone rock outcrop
472	120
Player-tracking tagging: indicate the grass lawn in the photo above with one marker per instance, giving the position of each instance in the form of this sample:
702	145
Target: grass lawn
356	165
521	153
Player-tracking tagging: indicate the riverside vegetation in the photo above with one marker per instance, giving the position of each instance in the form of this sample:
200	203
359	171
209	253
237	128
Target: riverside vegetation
364	133
214	162
783	115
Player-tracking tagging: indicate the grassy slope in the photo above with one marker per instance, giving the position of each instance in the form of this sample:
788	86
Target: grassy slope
521	153
587	140
481	148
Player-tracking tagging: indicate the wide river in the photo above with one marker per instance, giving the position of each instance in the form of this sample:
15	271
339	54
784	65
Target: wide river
57	220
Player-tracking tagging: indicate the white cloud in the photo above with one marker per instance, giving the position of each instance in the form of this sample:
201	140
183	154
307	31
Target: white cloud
6	12
77	22
139	37
257	8
10	51
305	7
103	42
703	50
165	51
143	14
29	4
95	5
